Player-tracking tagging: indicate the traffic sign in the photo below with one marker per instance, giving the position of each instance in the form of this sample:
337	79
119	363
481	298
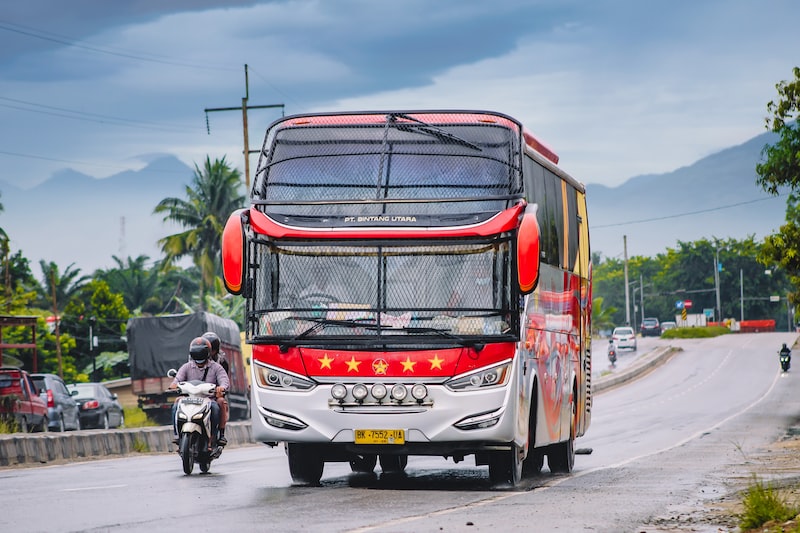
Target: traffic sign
679	304
687	304
683	313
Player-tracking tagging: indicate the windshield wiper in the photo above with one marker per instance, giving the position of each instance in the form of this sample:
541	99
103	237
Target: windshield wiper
424	127
322	323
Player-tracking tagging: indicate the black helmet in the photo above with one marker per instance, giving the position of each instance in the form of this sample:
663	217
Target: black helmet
199	350
212	338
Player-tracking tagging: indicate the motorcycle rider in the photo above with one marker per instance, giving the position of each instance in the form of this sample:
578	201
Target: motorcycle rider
612	351
218	356
786	352
202	368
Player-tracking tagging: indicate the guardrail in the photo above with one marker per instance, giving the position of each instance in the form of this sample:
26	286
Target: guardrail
44	448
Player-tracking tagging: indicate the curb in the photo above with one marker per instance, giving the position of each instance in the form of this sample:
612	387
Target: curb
45	448
643	365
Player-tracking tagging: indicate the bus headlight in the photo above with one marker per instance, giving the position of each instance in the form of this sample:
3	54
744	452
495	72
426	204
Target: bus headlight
269	377
494	376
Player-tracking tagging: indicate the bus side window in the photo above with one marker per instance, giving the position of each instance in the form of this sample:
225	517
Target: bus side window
535	193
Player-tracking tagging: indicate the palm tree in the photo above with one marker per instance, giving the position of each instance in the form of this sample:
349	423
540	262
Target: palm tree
59	286
210	199
137	283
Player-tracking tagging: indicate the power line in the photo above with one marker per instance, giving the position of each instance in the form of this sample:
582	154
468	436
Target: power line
689	213
92	117
68	41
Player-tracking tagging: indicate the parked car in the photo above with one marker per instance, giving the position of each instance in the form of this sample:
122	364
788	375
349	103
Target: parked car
99	407
19	399
624	338
651	327
665	326
62	411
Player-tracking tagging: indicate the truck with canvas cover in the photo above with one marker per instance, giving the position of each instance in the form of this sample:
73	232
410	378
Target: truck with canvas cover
156	344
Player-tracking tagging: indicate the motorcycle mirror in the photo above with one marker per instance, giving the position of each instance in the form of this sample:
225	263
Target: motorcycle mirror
172	373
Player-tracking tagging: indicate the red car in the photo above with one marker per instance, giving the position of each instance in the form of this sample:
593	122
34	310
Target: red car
20	399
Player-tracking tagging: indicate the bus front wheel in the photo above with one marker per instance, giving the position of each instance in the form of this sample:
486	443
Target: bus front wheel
505	467
305	463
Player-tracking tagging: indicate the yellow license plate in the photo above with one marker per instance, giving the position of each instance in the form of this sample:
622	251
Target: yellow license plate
380	436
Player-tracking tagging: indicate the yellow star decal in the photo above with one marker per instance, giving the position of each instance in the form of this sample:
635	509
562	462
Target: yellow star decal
325	362
352	365
436	362
408	365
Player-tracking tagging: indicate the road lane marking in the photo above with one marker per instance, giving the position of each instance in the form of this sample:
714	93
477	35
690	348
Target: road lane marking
102	487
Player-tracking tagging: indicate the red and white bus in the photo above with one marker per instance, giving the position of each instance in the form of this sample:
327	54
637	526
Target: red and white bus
417	283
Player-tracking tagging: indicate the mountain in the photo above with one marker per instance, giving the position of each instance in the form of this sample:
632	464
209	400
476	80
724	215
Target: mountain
75	218
716	197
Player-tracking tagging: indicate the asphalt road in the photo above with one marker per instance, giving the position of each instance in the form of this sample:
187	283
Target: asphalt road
663	443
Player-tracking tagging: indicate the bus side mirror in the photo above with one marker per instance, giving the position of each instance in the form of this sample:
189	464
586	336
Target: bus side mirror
528	251
234	253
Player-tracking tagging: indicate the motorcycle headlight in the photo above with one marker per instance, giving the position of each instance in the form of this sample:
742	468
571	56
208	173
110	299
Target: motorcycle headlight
493	376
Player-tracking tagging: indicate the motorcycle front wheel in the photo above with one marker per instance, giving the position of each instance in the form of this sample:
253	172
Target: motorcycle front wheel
187	452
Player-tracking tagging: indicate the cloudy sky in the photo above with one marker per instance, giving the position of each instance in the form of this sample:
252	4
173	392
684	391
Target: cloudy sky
618	87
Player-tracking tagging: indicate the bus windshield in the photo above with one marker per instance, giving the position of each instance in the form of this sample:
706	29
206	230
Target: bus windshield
371	291
397	162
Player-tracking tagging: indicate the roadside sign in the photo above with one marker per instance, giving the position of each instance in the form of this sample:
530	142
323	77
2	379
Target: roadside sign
687	304
709	312
683	313
679	304
774	298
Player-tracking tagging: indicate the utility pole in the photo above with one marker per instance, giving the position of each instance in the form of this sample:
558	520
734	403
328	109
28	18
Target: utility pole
627	289
244	107
58	320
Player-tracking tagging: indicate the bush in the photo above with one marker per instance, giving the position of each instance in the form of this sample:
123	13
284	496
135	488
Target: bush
763	504
695	333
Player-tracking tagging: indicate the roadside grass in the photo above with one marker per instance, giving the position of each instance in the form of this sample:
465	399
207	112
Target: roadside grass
136	418
8	425
695	333
766	509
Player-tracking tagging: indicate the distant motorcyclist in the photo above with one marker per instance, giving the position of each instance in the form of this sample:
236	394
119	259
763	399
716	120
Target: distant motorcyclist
217	355
201	367
787	353
612	352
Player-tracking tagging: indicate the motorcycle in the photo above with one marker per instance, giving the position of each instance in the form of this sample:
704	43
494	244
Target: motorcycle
785	360
612	354
193	422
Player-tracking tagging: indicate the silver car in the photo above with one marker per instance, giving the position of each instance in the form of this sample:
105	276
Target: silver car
624	338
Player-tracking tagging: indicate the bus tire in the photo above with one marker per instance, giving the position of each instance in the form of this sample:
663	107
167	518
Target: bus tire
305	463
505	467
393	464
561	456
364	464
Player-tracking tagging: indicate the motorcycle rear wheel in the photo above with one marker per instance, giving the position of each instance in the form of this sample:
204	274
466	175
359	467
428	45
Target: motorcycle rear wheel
187	452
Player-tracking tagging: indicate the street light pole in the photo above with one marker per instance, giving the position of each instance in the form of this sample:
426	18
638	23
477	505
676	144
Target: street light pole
717	268
741	295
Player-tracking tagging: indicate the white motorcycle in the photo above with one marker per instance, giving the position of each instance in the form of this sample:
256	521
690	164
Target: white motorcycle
193	422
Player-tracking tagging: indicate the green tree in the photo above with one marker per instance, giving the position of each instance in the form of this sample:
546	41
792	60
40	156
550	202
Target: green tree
602	316
97	308
59	285
781	166
213	195
138	284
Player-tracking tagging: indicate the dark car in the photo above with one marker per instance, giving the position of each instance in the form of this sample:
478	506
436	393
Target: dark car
99	407
62	411
651	327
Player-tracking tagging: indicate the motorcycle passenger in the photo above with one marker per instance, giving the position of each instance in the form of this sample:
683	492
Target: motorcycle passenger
218	356
201	368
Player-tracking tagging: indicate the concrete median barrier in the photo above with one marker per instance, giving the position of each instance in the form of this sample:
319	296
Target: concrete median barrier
43	448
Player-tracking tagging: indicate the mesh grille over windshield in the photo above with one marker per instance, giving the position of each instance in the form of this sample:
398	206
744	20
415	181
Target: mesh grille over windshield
394	163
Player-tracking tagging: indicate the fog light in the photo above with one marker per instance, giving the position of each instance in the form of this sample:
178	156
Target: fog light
359	392
379	391
419	391
399	392
339	391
